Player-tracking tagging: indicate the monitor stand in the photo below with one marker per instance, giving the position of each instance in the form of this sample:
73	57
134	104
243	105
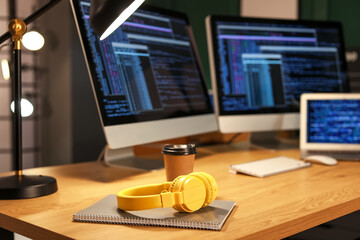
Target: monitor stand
125	157
273	141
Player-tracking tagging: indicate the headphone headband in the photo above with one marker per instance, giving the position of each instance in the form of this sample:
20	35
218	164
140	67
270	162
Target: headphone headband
145	197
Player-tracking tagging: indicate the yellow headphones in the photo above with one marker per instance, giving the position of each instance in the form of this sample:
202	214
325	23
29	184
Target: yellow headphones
187	193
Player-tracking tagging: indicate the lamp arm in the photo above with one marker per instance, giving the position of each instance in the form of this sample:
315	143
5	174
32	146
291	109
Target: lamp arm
5	37
32	17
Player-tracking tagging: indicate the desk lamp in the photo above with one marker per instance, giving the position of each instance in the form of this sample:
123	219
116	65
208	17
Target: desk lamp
104	13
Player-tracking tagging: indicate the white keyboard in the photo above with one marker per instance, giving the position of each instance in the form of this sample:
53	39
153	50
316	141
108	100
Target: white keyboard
269	166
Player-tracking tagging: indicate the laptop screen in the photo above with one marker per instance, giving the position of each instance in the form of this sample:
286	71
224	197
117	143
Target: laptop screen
333	121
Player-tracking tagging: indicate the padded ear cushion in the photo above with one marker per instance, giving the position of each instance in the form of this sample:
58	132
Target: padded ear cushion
172	188
174	182
192	190
210	186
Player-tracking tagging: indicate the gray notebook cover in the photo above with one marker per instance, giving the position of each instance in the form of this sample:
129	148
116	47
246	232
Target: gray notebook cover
211	217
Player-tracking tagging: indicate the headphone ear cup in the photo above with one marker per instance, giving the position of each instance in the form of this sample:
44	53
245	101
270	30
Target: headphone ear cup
175	188
172	186
192	190
210	186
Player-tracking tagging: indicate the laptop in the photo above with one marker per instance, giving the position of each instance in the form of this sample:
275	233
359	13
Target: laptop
330	125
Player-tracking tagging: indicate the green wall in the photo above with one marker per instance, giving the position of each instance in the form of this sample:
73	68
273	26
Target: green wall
197	10
345	11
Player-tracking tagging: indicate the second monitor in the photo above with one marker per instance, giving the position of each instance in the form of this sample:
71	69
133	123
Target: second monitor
260	67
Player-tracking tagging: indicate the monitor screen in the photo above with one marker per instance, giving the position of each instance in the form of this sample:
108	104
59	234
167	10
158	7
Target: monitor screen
333	121
146	77
262	66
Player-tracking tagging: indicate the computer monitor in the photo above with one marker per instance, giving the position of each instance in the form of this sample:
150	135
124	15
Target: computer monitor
146	77
260	67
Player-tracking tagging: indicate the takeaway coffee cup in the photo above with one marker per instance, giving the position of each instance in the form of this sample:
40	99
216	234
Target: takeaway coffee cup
178	159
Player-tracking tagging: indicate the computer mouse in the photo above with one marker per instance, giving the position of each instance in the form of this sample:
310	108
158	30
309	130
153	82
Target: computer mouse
326	160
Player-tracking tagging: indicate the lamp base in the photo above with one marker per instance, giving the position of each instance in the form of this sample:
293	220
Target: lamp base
26	186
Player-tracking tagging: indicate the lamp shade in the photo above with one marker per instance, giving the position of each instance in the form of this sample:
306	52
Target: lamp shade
107	15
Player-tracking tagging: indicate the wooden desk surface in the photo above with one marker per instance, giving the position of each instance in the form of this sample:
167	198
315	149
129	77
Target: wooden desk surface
273	208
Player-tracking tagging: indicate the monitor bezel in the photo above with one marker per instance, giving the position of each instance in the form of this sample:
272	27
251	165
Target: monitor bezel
123	135
276	119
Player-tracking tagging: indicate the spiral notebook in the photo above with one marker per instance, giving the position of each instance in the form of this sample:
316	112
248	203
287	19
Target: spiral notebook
211	217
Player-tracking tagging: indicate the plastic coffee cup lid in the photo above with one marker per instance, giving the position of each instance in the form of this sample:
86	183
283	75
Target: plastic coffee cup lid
179	149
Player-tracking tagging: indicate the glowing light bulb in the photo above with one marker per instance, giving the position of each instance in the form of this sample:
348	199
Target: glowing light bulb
33	40
5	69
26	107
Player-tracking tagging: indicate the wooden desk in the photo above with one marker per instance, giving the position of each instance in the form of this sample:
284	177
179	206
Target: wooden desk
270	208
